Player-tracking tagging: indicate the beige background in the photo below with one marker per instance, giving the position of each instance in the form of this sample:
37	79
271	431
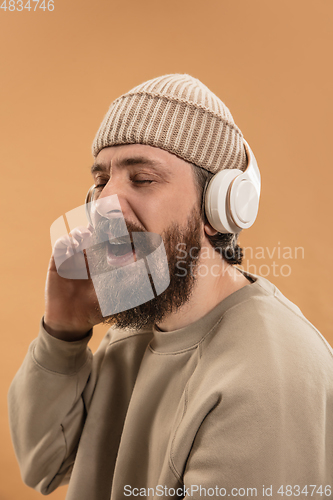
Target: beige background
269	61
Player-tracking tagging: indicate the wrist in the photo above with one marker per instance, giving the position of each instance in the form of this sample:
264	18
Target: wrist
64	333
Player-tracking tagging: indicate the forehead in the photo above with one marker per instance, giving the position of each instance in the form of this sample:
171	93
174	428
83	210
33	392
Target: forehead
130	155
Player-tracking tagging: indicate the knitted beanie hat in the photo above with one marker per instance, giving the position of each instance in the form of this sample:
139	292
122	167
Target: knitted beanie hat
179	114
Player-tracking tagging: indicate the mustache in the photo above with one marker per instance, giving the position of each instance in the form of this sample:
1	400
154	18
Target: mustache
107	230
117	227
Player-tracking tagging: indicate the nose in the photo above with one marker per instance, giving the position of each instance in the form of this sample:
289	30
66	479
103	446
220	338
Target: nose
108	206
112	202
112	198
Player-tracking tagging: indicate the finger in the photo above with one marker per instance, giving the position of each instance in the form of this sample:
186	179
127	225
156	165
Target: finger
81	237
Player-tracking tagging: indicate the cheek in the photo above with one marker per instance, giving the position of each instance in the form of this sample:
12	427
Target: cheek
156	211
155	214
174	209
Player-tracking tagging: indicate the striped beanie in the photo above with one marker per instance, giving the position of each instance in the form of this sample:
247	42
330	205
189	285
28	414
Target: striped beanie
179	114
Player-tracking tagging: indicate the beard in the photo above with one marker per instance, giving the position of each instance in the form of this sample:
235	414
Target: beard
156	289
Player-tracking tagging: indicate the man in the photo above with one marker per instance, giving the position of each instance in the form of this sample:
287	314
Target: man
218	386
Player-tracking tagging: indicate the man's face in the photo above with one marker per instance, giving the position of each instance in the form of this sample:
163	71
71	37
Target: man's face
155	188
156	194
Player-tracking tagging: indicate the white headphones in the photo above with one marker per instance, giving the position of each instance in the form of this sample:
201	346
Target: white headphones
232	197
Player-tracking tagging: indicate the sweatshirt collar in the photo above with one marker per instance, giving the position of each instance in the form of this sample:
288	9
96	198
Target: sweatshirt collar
190	336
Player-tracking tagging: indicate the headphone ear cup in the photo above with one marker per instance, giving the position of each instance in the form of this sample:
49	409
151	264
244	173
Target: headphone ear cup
243	202
217	201
232	197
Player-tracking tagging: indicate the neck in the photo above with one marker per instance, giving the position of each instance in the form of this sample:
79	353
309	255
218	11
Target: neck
220	280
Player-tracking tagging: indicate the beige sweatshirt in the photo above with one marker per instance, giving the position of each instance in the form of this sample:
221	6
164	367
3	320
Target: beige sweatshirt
239	403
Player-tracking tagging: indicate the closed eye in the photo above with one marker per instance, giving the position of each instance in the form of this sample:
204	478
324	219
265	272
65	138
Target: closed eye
142	181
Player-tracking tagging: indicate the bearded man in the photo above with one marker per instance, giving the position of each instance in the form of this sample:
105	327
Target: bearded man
217	386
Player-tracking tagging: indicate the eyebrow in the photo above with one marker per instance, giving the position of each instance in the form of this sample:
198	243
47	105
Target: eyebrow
98	167
130	161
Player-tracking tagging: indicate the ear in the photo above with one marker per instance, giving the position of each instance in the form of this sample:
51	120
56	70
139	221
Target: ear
209	230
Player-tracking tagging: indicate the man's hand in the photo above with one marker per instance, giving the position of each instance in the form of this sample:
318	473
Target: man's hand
71	305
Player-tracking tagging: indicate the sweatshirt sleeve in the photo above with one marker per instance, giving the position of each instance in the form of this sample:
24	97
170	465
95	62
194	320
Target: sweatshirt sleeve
46	409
